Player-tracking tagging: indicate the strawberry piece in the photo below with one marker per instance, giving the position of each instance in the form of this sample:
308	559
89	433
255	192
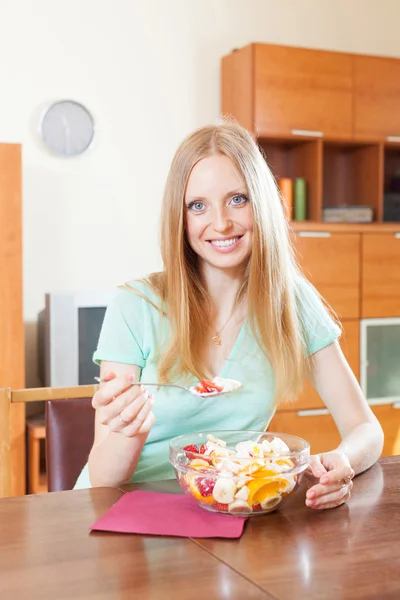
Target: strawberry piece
210	386
205	486
190	449
207	387
203	449
220	506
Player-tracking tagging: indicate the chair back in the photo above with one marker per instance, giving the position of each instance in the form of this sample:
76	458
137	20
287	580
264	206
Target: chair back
69	438
70	427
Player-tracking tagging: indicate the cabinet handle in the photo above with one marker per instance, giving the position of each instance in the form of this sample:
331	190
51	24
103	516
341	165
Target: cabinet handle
397	235
314	234
393	138
315	412
309	133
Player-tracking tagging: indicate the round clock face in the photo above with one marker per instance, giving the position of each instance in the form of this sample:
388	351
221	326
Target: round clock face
67	128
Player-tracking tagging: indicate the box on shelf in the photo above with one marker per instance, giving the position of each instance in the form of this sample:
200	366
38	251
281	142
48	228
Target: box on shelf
347	214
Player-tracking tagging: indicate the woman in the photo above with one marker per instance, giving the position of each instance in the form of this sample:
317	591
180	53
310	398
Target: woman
230	302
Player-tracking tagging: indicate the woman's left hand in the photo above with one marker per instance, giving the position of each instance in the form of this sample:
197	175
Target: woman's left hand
334	474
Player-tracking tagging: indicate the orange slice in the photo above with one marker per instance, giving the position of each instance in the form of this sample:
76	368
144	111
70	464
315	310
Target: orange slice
261	490
191	480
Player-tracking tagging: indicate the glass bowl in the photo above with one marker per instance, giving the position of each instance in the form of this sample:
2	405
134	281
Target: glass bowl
239	472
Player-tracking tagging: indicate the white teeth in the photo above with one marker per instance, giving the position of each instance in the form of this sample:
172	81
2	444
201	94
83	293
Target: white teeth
224	242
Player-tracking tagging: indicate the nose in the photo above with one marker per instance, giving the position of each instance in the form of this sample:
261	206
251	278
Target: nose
221	223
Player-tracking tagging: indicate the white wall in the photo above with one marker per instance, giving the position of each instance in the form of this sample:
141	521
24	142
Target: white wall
149	72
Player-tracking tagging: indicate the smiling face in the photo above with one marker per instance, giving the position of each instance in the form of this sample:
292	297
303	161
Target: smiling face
219	219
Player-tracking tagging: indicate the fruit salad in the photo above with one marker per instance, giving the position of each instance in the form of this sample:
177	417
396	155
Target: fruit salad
218	385
252	477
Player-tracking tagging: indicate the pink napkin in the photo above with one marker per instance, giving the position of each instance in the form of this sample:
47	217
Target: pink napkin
153	513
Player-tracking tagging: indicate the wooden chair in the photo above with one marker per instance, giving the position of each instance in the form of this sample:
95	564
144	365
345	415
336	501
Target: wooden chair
58	459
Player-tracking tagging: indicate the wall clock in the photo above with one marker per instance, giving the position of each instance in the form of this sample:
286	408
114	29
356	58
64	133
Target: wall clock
67	128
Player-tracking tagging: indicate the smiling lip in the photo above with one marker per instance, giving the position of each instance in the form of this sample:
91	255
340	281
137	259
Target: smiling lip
225	244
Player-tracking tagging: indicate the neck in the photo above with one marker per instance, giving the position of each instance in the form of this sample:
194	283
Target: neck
223	286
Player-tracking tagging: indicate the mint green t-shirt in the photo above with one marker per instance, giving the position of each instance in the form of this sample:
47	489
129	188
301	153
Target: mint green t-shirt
133	330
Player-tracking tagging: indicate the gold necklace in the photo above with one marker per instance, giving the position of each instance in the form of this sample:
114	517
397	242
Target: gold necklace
217	337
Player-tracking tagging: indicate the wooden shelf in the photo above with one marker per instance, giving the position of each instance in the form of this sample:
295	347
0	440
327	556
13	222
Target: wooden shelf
345	227
352	176
298	158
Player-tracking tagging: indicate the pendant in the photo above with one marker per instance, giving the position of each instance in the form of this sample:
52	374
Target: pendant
216	339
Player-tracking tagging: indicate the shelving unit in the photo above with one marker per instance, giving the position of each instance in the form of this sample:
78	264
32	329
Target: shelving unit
320	115
333	119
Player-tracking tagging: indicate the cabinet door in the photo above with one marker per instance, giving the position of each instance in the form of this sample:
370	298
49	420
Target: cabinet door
331	261
376	97
297	90
389	417
381	275
350	344
317	427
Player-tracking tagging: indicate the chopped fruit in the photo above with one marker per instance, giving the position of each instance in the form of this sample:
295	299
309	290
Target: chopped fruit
193	486
203	448
257	507
239	506
191	448
206	486
199	463
216	441
264	473
207	387
220	506
224	490
271	502
260	491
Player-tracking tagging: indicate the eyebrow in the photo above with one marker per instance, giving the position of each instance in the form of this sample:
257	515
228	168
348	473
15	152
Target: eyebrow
240	190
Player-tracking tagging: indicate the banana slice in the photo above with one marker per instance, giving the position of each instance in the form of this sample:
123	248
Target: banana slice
217	441
224	490
271	502
239	506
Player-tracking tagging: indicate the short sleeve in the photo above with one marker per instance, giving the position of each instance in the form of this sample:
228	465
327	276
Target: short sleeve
319	328
122	332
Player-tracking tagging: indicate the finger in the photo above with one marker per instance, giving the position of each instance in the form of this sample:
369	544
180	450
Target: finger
111	389
332	496
333	504
148	424
124	419
316	468
135	425
320	490
341	475
119	403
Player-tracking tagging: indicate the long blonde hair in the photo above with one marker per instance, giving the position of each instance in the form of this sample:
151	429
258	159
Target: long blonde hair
270	275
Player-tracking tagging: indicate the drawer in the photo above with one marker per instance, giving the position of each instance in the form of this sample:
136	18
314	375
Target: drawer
388	416
331	261
317	427
380	275
350	344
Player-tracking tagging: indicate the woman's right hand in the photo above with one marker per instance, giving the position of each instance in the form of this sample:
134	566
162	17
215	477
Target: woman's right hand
123	407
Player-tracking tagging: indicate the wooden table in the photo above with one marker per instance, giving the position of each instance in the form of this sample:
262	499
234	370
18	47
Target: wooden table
352	552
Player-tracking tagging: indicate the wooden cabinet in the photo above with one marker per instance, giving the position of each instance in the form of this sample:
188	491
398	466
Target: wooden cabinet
376	97
350	344
389	417
331	261
12	368
276	90
317	427
380	275
295	89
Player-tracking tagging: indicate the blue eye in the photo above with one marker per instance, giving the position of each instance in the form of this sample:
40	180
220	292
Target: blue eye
196	206
239	200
